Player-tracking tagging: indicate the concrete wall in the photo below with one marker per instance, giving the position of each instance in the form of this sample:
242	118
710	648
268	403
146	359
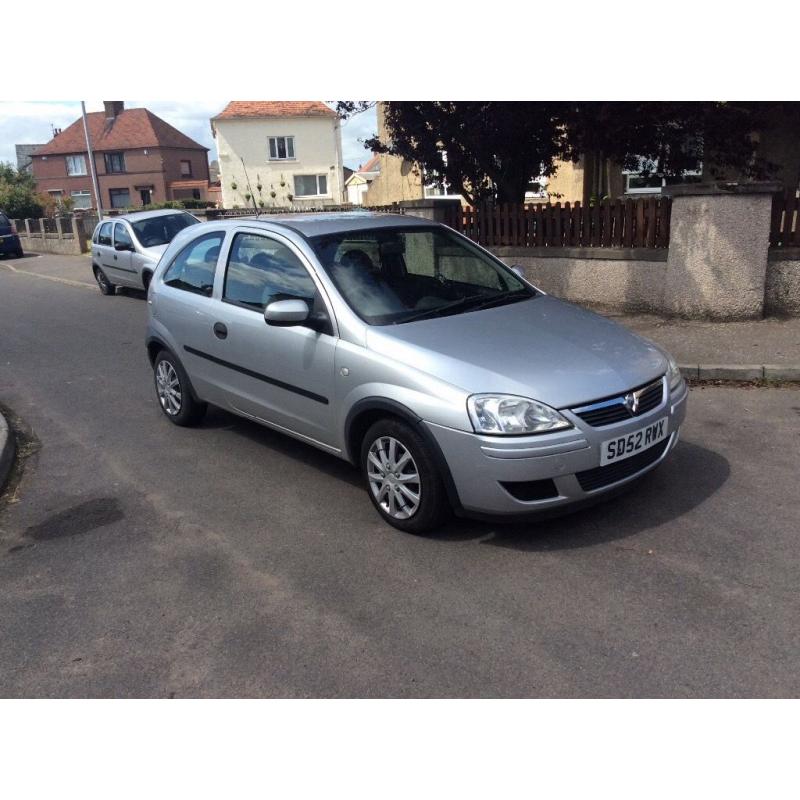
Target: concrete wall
719	238
317	148
611	279
782	292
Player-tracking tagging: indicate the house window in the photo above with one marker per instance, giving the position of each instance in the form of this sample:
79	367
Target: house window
115	162
81	199
186	169
281	148
310	185
120	198
653	182
76	165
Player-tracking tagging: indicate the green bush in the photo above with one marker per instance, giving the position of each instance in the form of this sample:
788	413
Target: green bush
18	196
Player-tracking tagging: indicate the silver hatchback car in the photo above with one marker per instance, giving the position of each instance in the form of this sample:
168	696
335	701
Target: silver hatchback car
126	249
402	347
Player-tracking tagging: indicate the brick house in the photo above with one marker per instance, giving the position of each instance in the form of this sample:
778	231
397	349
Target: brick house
139	158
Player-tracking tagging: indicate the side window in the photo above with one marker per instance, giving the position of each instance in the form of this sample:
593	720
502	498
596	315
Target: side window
261	270
121	235
193	268
104	234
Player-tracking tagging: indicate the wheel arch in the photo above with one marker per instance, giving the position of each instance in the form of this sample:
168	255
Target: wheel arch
369	410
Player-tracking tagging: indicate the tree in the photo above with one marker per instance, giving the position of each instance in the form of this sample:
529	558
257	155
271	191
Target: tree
18	196
492	150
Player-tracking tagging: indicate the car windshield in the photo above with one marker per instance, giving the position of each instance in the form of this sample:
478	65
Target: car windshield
396	275
161	229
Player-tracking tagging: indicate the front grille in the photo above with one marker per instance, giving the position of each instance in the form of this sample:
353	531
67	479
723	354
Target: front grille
611	473
611	410
531	490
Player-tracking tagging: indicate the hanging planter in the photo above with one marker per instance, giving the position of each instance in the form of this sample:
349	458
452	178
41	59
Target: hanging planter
234	185
273	195
290	197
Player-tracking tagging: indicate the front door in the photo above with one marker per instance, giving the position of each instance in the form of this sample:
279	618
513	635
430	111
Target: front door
284	376
146	196
120	266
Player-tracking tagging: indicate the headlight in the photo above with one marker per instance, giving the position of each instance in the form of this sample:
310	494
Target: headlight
508	414
673	372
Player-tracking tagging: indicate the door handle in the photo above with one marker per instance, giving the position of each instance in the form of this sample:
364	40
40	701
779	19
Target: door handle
220	330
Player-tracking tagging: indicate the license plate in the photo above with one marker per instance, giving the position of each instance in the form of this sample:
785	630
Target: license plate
632	443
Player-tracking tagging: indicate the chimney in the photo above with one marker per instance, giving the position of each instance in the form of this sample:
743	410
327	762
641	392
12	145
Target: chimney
113	108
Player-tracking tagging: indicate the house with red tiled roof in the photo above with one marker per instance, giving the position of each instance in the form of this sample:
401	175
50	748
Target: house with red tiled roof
139	159
358	183
277	153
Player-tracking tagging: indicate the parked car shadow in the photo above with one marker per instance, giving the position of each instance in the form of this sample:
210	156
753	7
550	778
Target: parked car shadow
690	475
218	418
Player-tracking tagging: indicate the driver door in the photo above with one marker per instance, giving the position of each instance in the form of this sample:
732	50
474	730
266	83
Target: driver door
281	375
117	261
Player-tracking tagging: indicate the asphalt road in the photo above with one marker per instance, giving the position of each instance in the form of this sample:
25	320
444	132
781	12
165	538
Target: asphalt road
140	559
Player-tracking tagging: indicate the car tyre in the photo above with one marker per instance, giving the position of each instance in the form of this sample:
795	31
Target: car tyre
403	481
18	253
146	278
106	287
174	392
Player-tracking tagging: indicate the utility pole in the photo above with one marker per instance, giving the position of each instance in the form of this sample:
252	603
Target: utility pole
91	163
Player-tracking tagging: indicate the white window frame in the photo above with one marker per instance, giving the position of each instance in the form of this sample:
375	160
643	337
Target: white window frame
72	161
288	144
632	173
81	193
318	194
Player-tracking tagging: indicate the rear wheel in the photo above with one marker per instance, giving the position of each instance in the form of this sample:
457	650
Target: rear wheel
146	277
18	253
402	479
106	287
174	393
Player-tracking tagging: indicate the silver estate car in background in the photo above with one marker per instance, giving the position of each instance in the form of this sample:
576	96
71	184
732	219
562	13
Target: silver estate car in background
401	346
126	249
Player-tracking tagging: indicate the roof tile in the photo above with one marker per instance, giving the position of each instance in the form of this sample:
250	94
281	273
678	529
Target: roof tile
131	129
275	108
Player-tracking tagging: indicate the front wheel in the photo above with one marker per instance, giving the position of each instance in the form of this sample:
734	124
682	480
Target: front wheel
402	479
173	392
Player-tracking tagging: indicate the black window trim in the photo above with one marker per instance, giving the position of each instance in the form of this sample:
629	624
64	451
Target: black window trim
219	232
304	261
120	224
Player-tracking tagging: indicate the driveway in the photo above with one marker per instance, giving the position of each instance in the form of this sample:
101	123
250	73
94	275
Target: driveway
140	559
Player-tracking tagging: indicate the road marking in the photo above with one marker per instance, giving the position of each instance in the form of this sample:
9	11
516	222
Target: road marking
66	281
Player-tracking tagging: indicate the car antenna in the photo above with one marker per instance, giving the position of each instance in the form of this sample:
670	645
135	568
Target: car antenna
249	187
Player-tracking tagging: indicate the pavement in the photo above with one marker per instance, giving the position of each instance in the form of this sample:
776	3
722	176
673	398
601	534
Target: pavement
757	349
138	559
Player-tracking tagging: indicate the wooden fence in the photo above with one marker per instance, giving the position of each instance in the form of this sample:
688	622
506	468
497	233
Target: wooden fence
785	226
639	222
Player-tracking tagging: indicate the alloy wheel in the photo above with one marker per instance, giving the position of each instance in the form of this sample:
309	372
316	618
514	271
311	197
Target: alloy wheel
168	387
393	477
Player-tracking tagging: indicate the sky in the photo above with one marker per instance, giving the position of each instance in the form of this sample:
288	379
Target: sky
24	122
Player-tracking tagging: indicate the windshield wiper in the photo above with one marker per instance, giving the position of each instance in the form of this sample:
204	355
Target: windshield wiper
474	302
504	297
437	310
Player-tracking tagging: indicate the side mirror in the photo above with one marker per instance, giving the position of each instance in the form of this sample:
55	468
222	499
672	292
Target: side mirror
122	247
517	270
285	313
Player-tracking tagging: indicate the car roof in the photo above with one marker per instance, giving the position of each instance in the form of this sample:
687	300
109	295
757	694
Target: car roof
137	216
327	222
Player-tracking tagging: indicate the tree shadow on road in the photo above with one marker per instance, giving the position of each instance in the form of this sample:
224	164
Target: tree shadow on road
687	478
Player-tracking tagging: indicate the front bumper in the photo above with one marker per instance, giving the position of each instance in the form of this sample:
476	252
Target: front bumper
480	465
